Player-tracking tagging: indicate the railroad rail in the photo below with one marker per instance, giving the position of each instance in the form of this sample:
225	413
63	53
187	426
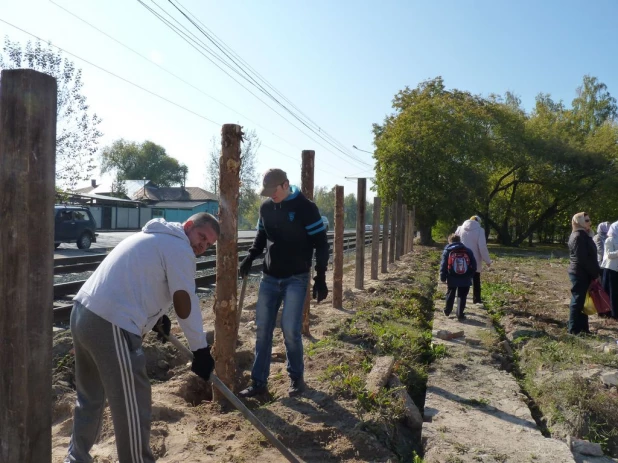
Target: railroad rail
62	311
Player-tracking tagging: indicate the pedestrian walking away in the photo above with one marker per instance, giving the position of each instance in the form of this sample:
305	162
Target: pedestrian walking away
457	267
290	228
583	268
599	239
473	237
128	294
609	268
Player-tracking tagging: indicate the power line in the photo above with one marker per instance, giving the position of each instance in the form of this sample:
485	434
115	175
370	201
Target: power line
185	36
247	77
114	75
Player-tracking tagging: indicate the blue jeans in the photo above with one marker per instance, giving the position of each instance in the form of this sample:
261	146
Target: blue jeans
273	291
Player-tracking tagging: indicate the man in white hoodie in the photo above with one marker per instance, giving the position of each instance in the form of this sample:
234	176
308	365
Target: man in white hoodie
473	237
120	303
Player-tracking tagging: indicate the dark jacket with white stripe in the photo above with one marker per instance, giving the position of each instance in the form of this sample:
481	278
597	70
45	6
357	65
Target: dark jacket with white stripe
290	231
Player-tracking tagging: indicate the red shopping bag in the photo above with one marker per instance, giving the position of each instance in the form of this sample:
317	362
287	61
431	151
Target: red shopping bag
600	298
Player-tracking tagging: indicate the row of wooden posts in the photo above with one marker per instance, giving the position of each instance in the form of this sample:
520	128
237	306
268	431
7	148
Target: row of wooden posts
27	181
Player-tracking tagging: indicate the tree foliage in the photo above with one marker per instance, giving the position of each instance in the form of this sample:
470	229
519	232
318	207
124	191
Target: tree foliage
133	161
77	133
453	154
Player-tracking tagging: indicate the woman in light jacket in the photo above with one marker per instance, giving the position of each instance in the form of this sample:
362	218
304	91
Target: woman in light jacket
599	239
583	268
473	237
610	266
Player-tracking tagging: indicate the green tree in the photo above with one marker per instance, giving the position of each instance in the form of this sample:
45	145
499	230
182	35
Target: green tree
131	160
350	209
77	133
324	198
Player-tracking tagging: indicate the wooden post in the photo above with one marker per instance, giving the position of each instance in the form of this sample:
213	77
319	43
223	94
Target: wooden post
306	175
399	220
226	303
384	267
338	249
402	229
406	243
360	234
412	227
27	163
391	250
375	239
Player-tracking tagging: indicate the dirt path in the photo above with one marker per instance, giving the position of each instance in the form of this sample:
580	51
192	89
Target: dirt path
477	410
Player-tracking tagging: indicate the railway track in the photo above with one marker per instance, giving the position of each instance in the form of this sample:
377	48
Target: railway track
63	291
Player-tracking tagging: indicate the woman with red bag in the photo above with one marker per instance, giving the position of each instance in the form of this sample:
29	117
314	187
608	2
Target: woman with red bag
583	268
610	264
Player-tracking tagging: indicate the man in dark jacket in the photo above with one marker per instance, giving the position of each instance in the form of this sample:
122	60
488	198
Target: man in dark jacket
456	270
290	227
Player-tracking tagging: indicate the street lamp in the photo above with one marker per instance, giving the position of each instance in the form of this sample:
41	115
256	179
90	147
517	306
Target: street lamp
364	151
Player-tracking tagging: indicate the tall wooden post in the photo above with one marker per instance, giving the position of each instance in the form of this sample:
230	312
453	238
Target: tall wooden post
338	249
375	238
384	267
393	237
226	303
360	233
406	245
399	219
412	227
27	165
402	229
306	174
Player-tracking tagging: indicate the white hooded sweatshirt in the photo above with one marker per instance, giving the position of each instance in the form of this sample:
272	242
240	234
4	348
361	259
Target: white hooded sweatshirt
134	285
473	236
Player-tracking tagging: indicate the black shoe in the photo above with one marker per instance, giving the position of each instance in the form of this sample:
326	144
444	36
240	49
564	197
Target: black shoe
253	390
297	387
446	312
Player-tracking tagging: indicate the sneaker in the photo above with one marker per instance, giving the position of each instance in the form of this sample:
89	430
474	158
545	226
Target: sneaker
446	312
253	390
297	387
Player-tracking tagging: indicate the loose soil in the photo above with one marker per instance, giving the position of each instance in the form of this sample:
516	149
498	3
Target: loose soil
326	424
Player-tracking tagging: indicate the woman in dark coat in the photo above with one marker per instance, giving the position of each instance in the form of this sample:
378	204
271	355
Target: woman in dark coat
583	268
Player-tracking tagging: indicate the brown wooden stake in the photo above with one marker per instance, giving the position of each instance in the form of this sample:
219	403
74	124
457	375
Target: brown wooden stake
407	239
226	303
375	238
384	267
399	219
27	163
338	249
412	227
360	233
306	175
393	237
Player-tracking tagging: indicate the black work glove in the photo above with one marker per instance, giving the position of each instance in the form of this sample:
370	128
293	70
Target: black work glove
203	363
320	291
245	266
163	324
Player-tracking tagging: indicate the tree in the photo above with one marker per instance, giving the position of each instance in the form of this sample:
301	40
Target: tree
134	161
350	209
324	198
77	133
248	201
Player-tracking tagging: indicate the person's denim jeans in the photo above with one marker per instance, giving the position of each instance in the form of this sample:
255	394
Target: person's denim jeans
273	291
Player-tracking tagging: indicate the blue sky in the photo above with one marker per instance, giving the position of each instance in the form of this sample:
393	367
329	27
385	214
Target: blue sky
339	61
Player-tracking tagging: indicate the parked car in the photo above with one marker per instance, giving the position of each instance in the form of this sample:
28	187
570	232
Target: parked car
326	223
368	227
74	224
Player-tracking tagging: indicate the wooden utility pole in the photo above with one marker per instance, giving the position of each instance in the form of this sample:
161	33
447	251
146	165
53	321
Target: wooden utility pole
27	175
306	175
338	249
402	232
375	238
360	233
399	220
226	302
393	237
384	267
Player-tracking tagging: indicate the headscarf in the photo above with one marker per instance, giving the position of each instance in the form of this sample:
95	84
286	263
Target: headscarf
603	228
476	218
579	222
613	230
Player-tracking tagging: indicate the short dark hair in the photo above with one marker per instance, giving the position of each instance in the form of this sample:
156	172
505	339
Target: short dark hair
453	238
203	218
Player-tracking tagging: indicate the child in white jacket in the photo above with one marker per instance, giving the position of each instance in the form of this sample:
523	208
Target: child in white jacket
473	237
610	266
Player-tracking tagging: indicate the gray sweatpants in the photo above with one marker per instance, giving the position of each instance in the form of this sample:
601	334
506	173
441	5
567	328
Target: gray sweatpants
109	362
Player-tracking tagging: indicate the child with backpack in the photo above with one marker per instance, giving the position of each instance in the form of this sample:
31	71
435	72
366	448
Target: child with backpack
456	270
